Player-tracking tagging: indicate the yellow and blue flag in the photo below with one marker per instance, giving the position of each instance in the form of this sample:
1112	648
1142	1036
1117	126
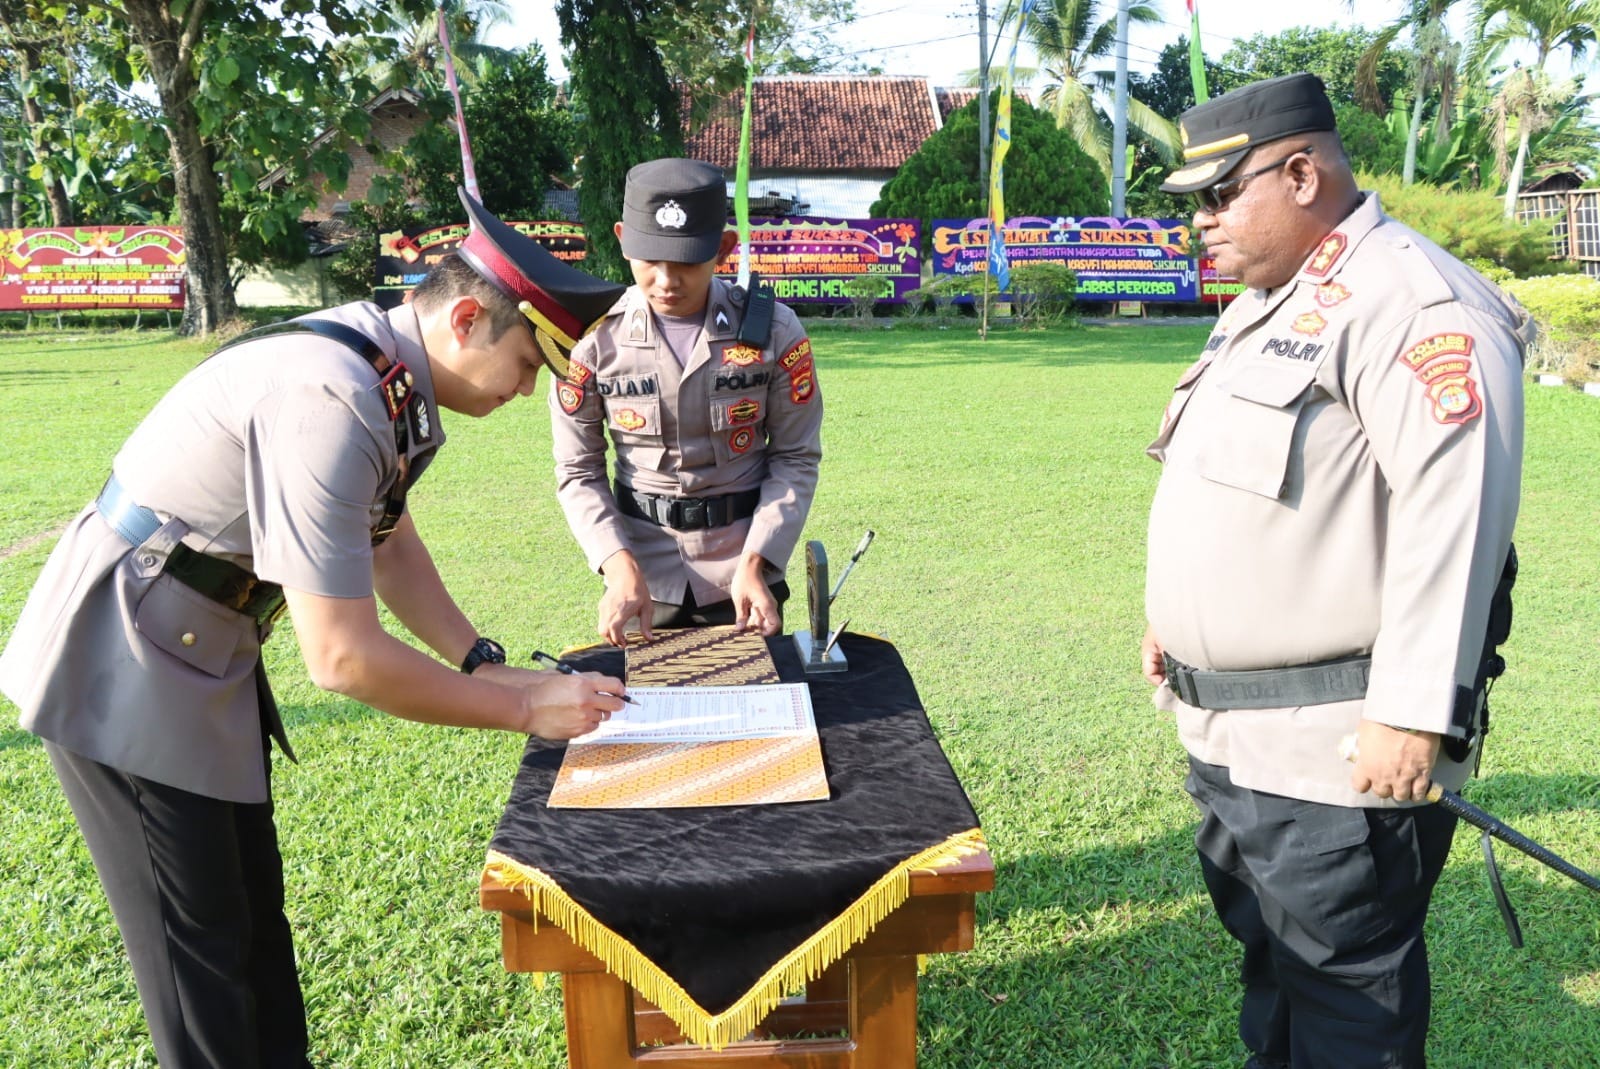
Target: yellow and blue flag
999	263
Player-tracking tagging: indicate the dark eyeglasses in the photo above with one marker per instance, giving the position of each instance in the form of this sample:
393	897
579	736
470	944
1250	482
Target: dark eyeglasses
1215	199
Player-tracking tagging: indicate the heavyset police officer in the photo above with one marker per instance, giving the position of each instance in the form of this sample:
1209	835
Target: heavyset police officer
274	474
717	437
1340	473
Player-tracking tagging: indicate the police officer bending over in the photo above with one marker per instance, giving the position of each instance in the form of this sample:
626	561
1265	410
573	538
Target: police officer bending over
1340	472
274	474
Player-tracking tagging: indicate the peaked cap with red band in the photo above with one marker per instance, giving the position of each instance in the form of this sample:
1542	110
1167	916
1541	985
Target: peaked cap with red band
561	302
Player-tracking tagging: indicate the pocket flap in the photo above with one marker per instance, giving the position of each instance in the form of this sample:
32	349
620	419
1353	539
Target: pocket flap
190	626
1275	384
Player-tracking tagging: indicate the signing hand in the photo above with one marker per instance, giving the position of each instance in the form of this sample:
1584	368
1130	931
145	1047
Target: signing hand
627	597
557	706
1392	763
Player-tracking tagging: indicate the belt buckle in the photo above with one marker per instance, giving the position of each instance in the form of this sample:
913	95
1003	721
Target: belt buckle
691	513
1180	677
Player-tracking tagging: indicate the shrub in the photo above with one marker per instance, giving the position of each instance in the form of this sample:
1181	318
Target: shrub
1043	293
1567	308
1046	174
864	292
1469	225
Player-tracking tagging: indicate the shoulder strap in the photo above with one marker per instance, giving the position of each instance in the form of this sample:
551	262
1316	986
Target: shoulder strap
394	381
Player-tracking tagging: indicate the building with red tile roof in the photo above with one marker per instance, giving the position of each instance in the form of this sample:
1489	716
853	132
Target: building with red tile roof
826	142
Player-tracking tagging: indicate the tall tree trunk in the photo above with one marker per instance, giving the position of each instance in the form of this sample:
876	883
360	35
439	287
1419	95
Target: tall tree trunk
6	179
20	169
55	190
168	46
1514	183
1412	136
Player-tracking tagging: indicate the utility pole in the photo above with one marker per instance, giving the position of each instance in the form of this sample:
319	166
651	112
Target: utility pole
983	94
1119	121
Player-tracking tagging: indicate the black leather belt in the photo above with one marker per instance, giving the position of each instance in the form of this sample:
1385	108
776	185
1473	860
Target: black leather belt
222	581
1340	680
687	513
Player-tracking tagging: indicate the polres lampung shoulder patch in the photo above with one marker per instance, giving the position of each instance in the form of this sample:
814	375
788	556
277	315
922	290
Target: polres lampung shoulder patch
1443	364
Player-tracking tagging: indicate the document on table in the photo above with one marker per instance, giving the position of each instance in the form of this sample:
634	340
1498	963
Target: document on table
708	714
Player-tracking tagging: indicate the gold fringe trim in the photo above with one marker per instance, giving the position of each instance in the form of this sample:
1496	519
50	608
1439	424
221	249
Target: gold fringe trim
801	965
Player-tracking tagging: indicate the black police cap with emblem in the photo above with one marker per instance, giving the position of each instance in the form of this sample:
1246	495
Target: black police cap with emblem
674	210
561	303
1219	133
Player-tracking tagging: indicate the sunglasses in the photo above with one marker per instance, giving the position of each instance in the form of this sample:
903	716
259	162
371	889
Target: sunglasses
1215	199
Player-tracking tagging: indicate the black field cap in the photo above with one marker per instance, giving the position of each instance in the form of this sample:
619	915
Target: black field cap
674	210
1217	134
560	301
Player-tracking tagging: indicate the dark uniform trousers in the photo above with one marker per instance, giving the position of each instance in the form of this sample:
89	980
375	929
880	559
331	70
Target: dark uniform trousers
1329	903
718	614
196	886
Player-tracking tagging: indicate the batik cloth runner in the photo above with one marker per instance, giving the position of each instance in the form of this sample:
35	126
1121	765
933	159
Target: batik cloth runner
716	914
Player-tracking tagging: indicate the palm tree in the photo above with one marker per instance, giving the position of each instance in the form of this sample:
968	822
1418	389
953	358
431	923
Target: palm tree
1527	97
467	21
1434	67
1071	39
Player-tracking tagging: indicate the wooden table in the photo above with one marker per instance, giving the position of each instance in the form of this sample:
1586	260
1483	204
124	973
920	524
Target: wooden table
865	1005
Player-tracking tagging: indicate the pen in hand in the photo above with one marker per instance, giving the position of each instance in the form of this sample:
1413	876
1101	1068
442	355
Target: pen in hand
566	669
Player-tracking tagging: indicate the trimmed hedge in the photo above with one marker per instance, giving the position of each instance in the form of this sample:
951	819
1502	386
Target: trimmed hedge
1568	310
1471	226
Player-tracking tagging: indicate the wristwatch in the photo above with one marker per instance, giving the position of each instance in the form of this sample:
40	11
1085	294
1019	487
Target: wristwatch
484	651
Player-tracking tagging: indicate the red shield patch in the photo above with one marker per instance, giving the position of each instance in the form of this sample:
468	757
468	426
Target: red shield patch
1455	399
801	384
741	440
577	374
568	396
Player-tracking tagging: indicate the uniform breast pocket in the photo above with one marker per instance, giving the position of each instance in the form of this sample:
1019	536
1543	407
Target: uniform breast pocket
1249	444
190	626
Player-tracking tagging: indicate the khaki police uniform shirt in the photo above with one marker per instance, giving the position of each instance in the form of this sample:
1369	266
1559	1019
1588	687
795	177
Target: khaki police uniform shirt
277	455
1340	474
732	418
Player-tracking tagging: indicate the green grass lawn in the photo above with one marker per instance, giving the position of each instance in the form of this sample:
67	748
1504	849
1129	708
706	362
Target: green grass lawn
1007	483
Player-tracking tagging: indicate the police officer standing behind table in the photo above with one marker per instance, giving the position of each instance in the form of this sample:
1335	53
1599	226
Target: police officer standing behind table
717	439
1340	478
273	473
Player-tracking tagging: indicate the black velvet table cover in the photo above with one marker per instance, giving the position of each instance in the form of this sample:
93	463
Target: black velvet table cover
716	896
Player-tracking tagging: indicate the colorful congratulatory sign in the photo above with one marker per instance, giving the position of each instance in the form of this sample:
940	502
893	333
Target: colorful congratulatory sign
1114	259
812	260
404	256
74	268
1216	288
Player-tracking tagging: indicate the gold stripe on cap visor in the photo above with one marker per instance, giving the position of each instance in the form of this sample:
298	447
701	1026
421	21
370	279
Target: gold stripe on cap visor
1197	172
1224	145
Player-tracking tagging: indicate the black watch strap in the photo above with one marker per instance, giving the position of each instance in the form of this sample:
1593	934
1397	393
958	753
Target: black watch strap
484	651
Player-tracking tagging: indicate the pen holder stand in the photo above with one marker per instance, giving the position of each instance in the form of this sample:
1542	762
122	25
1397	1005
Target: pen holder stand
815	654
812	655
